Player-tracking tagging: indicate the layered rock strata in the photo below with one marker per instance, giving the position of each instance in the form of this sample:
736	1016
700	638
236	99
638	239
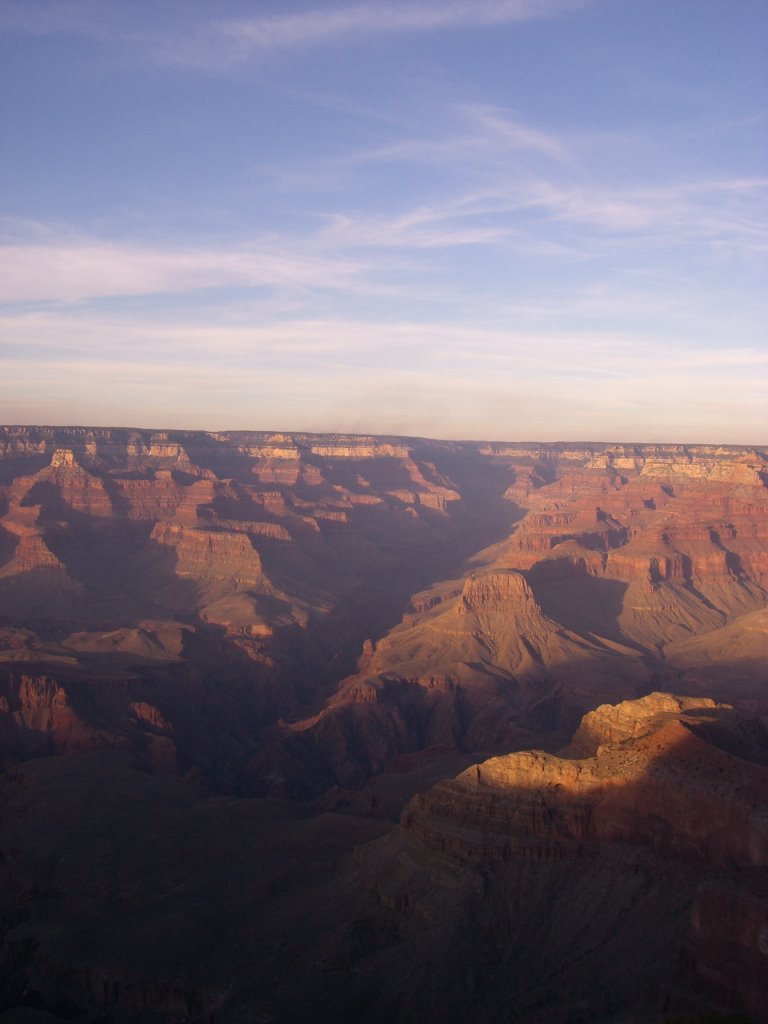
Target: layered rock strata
383	594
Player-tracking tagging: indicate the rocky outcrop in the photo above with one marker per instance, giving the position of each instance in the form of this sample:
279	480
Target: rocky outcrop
155	640
37	717
161	495
667	790
655	780
208	554
610	724
361	448
31	552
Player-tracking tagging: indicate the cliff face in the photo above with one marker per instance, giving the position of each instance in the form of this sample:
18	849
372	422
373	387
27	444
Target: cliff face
612	724
657	790
684	532
38	718
260	548
497	591
655	780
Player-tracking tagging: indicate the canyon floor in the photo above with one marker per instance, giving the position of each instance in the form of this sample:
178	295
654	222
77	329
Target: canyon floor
308	728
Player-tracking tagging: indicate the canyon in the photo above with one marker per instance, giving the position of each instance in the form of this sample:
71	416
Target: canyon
337	727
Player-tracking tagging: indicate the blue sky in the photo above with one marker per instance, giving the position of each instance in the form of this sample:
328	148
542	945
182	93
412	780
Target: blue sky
503	219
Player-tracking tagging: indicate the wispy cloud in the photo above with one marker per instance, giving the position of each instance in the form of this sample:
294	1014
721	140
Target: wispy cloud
700	207
458	347
505	179
487	134
562	219
234	41
439	225
73	269
230	41
511	134
540	217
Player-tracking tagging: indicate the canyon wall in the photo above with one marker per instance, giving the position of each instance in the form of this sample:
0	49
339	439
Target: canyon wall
379	595
339	624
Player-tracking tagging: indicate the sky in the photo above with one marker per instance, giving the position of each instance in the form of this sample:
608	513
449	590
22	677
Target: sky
489	219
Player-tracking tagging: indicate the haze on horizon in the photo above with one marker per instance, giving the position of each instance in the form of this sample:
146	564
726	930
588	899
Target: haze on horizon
500	219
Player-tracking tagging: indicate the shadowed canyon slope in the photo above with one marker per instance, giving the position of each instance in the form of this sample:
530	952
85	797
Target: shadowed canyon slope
262	646
531	888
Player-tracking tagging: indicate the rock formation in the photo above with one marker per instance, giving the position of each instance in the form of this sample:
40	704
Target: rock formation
655	779
668	788
201	617
625	881
381	595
